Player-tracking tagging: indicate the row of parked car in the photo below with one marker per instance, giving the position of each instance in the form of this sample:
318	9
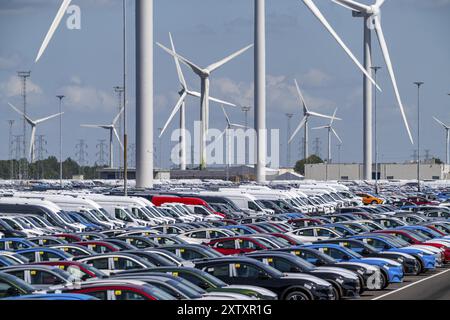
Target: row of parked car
289	242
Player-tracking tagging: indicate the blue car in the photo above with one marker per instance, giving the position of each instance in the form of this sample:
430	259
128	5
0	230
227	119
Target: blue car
61	297
428	232
240	229
386	243
44	254
392	270
80	219
11	244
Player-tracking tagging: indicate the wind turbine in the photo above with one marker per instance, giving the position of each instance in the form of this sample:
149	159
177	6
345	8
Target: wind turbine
204	74
229	127
33	124
447	140
372	20
330	130
112	132
181	106
304	123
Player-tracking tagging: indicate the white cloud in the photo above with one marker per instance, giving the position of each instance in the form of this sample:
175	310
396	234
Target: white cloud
88	98
13	87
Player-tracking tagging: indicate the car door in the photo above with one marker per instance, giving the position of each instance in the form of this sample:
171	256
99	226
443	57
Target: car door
250	274
306	235
42	279
323	234
102	263
124	264
221	271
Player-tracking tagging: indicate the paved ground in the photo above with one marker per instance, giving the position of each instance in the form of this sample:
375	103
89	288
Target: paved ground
432	285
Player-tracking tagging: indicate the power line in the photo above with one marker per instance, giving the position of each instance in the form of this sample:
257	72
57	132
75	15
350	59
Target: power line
317	146
81	154
41	151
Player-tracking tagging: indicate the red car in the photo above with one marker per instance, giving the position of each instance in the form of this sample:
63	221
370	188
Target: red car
99	246
410	238
78	269
420	201
160	200
121	291
236	245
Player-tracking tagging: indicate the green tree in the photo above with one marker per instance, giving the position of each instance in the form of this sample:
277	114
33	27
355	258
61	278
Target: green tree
300	165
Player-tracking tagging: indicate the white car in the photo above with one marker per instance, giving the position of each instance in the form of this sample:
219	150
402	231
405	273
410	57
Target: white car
201	236
312	234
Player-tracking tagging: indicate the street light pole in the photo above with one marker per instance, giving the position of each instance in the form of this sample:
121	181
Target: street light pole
375	69
418	84
60	97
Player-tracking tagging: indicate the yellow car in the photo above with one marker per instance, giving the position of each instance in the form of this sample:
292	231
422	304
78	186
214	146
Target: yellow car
369	199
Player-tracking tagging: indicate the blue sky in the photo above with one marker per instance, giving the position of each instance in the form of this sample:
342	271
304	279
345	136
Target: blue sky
85	65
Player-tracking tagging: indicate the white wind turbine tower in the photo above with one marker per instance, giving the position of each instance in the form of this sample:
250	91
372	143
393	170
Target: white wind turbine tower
33	124
330	131
204	74
112	132
372	21
447	139
305	121
181	106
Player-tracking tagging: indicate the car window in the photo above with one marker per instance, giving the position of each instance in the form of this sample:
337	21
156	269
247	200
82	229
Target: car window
102	295
280	264
128	295
324	233
216	234
228	244
219	270
190	254
5	289
198	235
244	270
125	264
247	244
334	253
49	256
306	232
101	263
39	277
30	256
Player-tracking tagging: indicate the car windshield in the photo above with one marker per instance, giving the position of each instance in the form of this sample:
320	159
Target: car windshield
98	215
65	217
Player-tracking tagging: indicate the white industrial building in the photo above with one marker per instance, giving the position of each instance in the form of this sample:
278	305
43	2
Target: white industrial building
387	171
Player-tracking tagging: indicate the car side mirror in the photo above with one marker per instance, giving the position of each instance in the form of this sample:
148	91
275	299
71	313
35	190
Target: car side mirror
263	276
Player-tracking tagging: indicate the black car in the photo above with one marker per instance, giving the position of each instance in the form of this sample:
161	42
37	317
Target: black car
317	258
411	265
247	271
345	283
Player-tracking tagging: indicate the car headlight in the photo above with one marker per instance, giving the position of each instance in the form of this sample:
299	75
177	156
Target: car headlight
420	254
340	280
360	271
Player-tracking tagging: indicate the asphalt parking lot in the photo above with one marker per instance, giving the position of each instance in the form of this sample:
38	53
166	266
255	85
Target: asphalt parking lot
433	285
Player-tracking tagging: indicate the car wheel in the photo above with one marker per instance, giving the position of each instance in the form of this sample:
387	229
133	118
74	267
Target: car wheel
336	294
384	281
296	295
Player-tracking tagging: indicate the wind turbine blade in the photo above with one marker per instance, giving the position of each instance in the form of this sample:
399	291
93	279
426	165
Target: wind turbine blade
198	95
334	117
301	125
217	65
117	137
31	122
239	126
96	126
48	118
379	3
353	5
174	112
320	128
300	94
33	137
310	4
222	134
337	136
226	115
441	123
53	28
190	64
315	114
117	117
177	64
387	58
